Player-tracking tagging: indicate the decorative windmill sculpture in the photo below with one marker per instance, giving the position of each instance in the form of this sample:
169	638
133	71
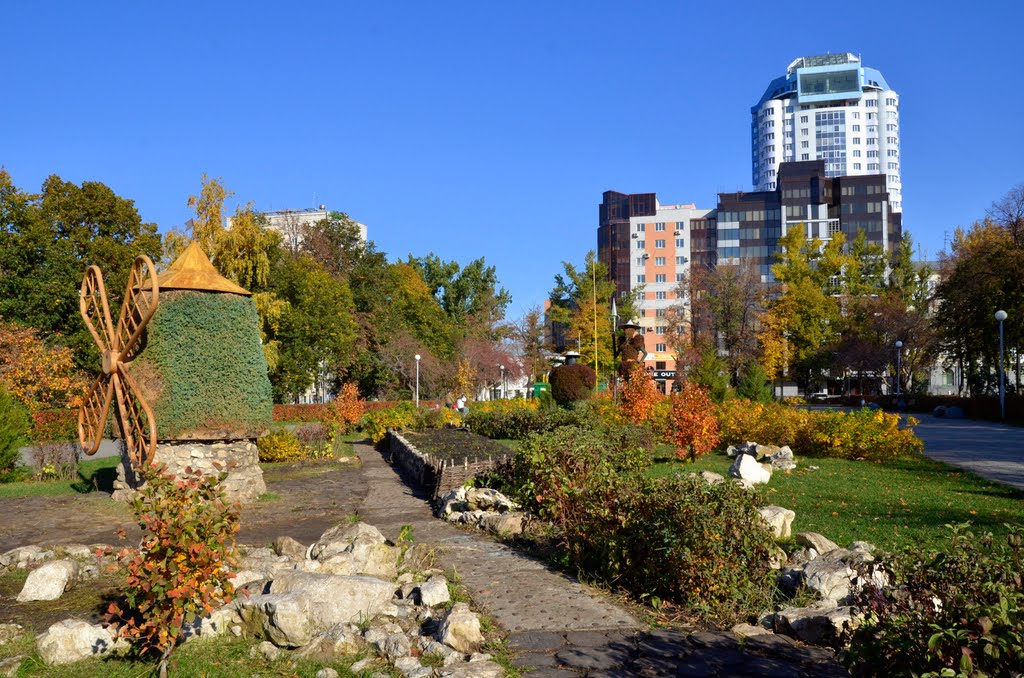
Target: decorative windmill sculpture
119	346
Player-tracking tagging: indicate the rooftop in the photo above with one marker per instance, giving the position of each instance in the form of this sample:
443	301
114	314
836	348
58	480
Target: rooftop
823	60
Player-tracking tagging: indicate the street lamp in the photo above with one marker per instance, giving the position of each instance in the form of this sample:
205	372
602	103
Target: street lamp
1001	316
502	391
417	380
899	366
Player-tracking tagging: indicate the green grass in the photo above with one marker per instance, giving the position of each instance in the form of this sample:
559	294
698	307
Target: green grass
343	446
225	657
891	505
92	475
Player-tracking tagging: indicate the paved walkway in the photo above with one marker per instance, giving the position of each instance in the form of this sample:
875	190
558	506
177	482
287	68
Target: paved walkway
559	627
993	451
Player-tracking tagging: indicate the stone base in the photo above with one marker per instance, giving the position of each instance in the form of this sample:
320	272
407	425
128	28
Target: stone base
240	458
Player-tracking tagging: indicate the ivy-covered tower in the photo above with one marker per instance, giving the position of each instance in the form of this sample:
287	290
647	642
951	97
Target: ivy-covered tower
202	369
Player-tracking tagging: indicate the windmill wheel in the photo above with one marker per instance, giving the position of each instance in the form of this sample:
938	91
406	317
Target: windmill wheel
118	345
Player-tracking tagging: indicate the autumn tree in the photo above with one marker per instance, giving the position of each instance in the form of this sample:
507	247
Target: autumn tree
727	302
528	338
46	242
38	375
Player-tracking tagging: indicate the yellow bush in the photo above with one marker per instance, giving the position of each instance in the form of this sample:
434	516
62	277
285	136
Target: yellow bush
280	446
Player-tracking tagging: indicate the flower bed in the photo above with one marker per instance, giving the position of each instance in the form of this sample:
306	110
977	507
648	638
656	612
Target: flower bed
444	459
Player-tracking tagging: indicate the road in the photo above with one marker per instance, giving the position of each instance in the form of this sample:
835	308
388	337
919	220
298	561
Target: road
993	451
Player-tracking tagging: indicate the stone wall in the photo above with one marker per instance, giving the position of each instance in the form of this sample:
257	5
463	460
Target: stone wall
439	476
240	458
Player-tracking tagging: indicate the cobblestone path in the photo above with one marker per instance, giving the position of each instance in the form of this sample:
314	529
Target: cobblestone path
559	628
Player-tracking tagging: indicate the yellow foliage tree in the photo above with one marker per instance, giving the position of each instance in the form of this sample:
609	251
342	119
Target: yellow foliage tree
39	376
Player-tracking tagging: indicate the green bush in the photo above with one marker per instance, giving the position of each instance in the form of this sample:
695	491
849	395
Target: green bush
202	368
13	425
570	383
754	385
678	539
376	424
956	613
517	423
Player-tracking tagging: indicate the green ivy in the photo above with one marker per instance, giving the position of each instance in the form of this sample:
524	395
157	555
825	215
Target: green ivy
203	368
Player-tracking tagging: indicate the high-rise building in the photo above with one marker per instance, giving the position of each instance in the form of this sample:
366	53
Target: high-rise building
644	243
829	108
291	223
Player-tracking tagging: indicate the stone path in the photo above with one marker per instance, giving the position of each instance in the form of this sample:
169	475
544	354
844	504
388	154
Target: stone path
560	628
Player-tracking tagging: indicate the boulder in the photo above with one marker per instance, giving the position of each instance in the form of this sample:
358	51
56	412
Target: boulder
823	624
393	645
746	468
286	619
712	478
49	581
71	640
341	640
782	459
11	666
339	539
24	557
461	629
267	650
447	654
290	548
830	580
508	524
779	519
453	502
410	667
749	630
739	450
327	673
337	599
486	499
76	551
373	558
434	591
813	540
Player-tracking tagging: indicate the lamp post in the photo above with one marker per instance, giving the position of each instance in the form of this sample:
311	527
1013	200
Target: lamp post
417	380
502	391
899	367
1001	316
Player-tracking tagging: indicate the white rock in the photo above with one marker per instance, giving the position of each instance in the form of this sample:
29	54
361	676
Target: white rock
434	591
338	539
454	501
341	640
286	546
25	557
327	673
408	666
49	581
286	619
448	655
486	499
76	551
243	577
337	599
506	524
10	666
393	645
823	624
71	640
475	670
712	478
461	629
829	580
746	468
779	519
749	630
364	665
816	541
267	650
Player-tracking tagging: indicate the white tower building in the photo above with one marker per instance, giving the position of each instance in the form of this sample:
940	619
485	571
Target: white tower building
830	108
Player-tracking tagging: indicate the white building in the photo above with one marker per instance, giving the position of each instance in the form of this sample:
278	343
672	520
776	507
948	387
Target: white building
828	107
291	223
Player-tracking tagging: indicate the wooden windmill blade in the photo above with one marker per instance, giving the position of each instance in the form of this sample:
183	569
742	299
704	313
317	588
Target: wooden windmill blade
135	418
140	300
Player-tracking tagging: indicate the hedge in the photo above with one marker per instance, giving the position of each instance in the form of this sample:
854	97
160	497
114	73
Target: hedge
308	412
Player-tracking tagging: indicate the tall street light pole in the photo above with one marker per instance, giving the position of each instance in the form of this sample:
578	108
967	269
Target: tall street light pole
417	380
899	367
1001	316
502	391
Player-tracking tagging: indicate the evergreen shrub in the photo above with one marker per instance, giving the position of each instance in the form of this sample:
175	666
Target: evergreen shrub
202	367
570	383
14	423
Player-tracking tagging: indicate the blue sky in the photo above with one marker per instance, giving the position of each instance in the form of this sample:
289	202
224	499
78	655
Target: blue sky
481	128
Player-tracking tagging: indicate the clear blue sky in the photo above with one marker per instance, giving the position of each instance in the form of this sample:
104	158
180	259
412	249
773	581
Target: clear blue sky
483	128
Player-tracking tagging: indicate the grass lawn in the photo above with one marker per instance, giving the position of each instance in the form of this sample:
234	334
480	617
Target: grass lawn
93	474
890	505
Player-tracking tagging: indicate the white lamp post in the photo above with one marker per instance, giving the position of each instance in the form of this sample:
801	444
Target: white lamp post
417	380
899	366
502	368
1001	316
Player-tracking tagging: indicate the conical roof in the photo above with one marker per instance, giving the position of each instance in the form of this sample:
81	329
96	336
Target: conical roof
192	270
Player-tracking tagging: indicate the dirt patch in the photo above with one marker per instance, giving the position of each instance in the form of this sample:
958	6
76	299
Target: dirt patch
306	499
88	600
457	444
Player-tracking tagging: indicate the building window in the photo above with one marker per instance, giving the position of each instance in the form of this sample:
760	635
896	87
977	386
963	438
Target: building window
660	226
804	144
856	141
680	277
680	261
890	102
659	261
872	166
659	277
856	152
871	103
803	131
639	261
659	244
640	244
641	278
659	347
856	165
660	296
856	128
855	115
640	228
803	118
805	156
872	142
659	313
660	329
872	154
